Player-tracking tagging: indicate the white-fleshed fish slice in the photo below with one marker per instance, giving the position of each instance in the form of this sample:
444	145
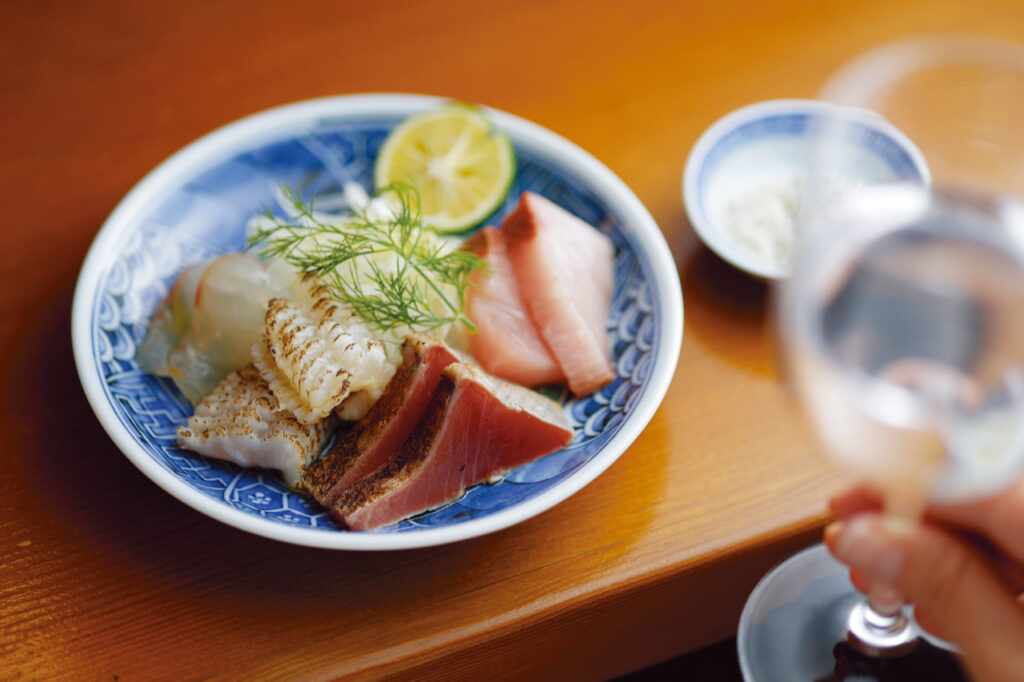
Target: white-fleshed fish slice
242	422
312	365
205	328
170	321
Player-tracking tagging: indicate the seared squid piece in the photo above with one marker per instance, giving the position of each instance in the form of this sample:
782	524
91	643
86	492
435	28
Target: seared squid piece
241	421
313	361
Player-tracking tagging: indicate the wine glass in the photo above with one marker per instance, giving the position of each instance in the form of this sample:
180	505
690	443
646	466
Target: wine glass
901	322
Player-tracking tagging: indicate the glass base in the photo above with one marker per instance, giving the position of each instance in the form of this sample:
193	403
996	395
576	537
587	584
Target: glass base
795	626
873	634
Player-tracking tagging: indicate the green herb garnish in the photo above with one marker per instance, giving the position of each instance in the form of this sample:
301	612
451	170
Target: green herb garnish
388	271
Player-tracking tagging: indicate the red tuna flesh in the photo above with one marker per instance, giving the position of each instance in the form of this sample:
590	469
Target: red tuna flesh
475	427
375	438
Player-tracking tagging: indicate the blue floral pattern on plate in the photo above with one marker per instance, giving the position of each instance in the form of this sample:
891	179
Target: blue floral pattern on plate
207	215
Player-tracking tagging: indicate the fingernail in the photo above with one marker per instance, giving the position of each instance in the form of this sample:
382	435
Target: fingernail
833	532
872	545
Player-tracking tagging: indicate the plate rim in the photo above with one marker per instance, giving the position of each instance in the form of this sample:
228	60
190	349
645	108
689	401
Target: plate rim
223	143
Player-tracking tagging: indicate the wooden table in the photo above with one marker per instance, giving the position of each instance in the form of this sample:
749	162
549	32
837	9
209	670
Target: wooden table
102	575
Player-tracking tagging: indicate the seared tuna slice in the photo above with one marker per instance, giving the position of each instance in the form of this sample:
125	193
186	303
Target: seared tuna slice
376	438
476	427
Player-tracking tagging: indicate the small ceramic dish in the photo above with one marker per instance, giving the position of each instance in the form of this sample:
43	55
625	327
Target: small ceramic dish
747	170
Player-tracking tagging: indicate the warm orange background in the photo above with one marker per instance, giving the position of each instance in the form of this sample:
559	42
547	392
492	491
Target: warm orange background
102	575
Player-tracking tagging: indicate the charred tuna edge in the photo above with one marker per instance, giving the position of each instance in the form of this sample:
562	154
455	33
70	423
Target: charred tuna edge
399	469
476	426
423	358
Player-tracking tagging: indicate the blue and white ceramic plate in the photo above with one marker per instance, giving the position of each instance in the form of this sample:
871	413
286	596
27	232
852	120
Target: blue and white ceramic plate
197	203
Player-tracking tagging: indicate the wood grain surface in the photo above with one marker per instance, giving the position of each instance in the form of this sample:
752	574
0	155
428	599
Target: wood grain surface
104	576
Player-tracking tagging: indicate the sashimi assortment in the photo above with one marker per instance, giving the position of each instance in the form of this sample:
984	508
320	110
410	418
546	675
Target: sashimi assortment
412	359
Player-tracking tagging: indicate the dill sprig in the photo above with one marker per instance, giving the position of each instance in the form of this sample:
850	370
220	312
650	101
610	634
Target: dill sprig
346	258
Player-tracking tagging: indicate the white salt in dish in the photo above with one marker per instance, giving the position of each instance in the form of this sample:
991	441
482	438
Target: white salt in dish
743	180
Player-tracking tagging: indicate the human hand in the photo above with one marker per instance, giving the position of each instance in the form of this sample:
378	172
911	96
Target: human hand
962	568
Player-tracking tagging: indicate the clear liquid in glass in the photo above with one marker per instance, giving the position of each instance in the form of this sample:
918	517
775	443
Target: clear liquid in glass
907	332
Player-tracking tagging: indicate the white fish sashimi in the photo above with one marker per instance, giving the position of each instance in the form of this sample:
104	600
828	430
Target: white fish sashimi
242	422
205	328
170	322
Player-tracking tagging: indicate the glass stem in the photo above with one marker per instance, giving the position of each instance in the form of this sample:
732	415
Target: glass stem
877	626
884	602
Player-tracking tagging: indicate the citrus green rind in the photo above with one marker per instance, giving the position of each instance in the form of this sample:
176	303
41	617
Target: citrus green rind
462	167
